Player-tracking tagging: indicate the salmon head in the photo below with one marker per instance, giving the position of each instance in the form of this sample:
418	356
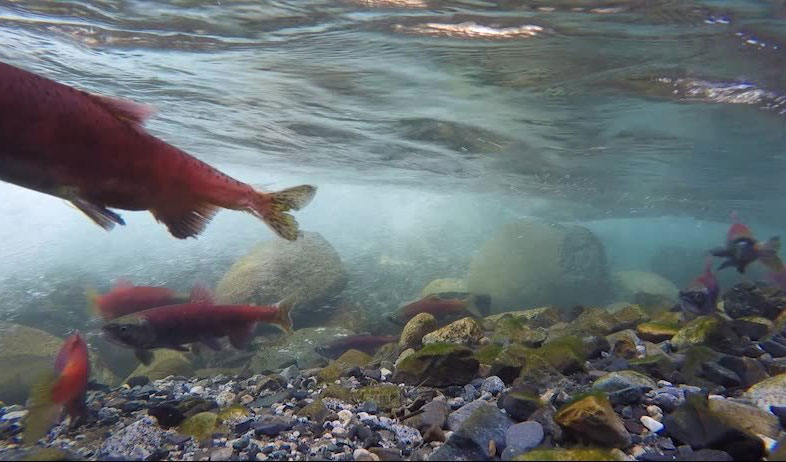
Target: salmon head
130	332
701	296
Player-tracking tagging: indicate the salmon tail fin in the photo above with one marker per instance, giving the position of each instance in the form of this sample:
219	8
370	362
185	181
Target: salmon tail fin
478	304
201	294
284	318
93	303
768	253
483	304
43	411
272	208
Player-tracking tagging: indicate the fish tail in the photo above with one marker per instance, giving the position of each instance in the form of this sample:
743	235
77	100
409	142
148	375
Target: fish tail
284	318
93	307
768	253
43	411
272	208
478	304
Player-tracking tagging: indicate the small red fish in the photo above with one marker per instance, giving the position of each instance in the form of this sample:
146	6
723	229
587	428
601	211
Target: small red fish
742	249
65	388
126	298
445	304
199	320
93	151
701	296
363	342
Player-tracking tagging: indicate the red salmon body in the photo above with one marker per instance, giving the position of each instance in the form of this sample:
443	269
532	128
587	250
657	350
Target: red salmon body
434	306
126	299
93	151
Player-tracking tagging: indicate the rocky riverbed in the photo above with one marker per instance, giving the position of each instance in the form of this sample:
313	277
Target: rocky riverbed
624	383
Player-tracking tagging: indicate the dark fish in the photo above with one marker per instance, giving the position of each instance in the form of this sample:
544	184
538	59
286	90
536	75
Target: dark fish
742	249
443	305
93	151
700	297
198	321
364	342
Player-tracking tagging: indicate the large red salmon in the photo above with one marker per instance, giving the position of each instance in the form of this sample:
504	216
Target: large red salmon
93	151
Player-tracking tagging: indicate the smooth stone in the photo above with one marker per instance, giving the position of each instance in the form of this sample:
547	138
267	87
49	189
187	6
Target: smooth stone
521	438
493	385
651	424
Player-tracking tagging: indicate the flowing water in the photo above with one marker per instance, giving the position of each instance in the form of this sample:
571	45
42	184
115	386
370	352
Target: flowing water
427	126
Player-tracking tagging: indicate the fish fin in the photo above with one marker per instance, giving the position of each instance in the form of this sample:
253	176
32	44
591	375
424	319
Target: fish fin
144	356
182	348
196	350
123	109
211	343
92	302
768	253
43	411
720	252
102	216
200	293
726	264
284	318
241	337
272	207
183	224
77	408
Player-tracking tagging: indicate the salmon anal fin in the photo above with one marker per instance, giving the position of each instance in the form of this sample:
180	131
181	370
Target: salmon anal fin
241	337
144	356
123	109
102	216
201	294
188	223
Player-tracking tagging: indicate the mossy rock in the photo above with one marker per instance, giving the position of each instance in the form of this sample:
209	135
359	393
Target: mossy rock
656	331
488	353
49	454
440	286
345	362
592	321
538	372
315	411
233	413
559	454
509	361
660	366
694	357
592	418
165	363
465	331
669	317
509	328
565	354
631	316
755	327
620	380
416	328
438	365
202	426
387	396
711	331
545	316
25	354
338	392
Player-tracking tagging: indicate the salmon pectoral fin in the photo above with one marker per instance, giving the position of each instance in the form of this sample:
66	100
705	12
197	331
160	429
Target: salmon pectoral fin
187	223
241	337
102	216
144	356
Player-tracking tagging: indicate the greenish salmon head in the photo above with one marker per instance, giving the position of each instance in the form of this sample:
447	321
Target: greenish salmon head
130	332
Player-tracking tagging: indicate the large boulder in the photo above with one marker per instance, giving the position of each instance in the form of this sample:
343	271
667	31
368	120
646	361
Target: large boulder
531	263
627	284
165	363
438	365
309	267
298	348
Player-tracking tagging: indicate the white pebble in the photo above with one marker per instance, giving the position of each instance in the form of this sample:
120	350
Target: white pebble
652	425
385	372
769	443
345	416
261	456
339	432
363	416
715	397
197	390
14	415
638	451
665	383
655	412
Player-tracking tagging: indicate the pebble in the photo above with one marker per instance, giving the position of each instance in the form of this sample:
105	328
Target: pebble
197	390
345	416
364	455
16	415
651	424
386	373
664	384
655	412
493	385
225	398
522	437
221	454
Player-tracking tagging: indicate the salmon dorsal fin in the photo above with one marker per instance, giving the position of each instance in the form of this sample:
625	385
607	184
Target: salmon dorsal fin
201	294
124	109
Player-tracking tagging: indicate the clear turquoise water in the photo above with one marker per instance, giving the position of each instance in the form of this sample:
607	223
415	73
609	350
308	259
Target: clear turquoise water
421	121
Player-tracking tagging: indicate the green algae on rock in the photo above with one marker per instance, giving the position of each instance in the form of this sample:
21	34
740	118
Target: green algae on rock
545	316
488	353
656	331
438	365
202	426
592	418
630	316
711	331
415	329
165	363
315	411
386	396
619	380
345	362
465	331
768	392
